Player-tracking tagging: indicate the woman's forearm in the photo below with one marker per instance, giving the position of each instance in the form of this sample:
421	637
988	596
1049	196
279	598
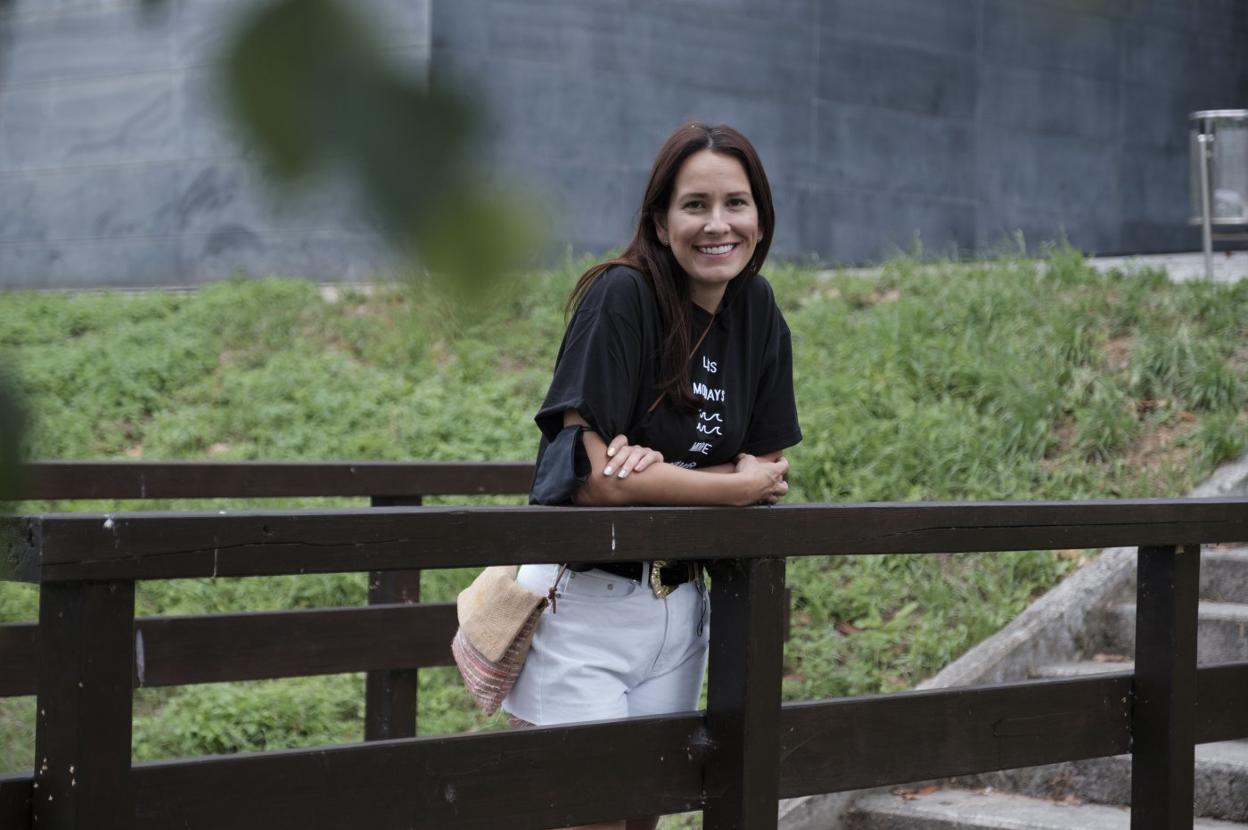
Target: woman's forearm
660	483
669	484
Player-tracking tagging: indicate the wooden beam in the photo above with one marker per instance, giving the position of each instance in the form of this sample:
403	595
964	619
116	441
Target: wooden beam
215	648
743	698
254	543
1220	711
120	480
15	797
875	741
17	659
535	778
390	695
1163	747
82	723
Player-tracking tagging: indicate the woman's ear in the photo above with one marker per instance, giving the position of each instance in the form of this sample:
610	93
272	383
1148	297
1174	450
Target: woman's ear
660	229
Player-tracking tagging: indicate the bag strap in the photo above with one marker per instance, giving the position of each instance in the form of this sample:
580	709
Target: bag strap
551	594
692	352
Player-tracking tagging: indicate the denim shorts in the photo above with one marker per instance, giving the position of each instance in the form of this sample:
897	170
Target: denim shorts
612	650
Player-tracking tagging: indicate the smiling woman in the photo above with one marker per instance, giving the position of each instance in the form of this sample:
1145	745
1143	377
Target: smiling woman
673	385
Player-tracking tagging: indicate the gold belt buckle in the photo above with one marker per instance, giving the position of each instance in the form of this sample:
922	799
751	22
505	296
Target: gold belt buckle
656	579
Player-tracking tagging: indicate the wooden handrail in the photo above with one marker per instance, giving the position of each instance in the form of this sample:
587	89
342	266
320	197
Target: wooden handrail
79	546
122	480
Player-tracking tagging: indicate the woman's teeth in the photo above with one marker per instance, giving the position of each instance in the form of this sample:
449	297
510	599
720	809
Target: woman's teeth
715	249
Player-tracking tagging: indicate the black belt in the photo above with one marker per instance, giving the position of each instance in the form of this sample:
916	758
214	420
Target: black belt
671	575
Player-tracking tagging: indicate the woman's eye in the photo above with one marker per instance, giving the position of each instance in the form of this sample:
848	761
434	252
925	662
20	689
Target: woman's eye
736	202
696	204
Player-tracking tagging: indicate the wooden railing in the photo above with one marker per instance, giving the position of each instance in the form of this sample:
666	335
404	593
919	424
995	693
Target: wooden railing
733	762
394	632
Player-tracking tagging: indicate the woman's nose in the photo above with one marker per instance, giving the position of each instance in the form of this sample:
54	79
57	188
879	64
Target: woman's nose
715	222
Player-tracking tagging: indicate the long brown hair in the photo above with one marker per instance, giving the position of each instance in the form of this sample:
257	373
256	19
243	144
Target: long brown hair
656	262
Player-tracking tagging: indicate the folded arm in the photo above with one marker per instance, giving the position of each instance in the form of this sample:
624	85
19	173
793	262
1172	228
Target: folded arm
752	480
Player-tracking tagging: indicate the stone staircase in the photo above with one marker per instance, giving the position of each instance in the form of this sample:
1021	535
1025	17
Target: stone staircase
1093	794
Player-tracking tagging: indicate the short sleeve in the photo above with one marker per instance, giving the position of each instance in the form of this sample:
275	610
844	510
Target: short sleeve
598	371
773	422
599	374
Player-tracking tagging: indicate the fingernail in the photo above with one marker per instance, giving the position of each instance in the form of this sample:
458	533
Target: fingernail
610	452
623	473
608	470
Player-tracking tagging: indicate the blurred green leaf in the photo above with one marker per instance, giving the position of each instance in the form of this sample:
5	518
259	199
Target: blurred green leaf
314	86
477	236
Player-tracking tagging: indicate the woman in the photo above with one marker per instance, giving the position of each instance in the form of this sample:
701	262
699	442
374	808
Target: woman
673	386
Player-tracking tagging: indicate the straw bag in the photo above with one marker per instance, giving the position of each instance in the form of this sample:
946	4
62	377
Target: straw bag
497	620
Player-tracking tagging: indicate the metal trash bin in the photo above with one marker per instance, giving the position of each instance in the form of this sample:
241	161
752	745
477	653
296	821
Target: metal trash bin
1219	175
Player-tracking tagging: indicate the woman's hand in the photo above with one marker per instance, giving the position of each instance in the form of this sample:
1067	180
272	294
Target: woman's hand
624	458
765	479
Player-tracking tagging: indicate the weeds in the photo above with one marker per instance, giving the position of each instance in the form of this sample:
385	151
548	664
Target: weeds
1008	379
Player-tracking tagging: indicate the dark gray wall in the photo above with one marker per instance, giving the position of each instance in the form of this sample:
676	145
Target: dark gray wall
117	167
957	122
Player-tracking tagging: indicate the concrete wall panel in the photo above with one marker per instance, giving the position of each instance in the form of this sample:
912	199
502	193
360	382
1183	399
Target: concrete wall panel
920	155
959	120
859	225
92	262
1042	36
1031	101
83	45
106	121
918	23
92	203
895	77
118	166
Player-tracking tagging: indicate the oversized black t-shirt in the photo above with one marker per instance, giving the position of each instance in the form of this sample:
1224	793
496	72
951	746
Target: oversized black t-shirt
608	370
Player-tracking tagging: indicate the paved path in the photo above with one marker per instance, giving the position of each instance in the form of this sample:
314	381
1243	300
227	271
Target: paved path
1229	266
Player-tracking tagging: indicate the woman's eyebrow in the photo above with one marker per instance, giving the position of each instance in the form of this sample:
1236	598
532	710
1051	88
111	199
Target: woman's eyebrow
701	195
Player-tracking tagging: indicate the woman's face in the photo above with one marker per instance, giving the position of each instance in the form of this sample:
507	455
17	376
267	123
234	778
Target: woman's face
711	224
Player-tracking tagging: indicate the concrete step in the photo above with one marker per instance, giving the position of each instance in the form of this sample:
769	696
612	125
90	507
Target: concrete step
1222	636
1224	574
951	809
1082	668
1221	781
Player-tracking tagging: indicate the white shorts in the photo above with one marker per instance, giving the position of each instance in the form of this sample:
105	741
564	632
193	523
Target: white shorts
612	650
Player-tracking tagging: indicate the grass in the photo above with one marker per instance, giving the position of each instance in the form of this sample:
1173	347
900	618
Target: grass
1006	379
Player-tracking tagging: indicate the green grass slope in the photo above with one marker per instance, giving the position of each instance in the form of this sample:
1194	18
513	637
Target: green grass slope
1008	379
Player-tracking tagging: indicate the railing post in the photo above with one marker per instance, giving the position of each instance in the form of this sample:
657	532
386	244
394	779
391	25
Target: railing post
1163	751
82	731
742	779
390	694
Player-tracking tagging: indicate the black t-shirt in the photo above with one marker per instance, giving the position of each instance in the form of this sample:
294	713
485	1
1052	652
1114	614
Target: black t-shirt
608	370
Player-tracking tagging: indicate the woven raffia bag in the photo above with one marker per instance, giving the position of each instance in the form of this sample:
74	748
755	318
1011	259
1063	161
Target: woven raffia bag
497	620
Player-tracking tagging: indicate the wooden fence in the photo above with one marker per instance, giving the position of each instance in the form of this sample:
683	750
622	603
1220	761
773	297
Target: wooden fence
733	762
